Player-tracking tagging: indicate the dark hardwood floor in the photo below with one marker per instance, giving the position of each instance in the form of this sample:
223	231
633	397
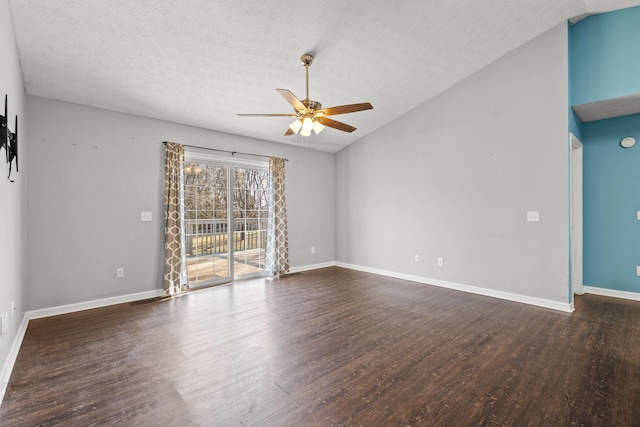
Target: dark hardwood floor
330	347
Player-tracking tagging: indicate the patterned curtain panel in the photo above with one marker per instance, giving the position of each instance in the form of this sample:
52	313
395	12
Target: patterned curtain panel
175	265
277	261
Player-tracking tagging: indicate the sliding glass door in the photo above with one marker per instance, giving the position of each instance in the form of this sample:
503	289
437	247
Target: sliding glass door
250	209
206	222
225	220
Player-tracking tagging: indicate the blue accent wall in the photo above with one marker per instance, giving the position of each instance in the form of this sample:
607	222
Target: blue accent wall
605	56
611	199
604	63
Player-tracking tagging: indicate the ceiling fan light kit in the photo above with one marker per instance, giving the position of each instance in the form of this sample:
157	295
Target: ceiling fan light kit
309	114
305	126
295	126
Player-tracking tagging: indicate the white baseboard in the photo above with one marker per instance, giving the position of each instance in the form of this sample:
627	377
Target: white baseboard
540	302
70	308
612	293
311	267
5	374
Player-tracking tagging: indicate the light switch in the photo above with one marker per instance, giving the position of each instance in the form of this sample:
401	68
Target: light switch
533	216
638	215
145	216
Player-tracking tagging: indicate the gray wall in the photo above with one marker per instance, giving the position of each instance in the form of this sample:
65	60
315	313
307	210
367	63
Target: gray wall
456	176
12	195
93	171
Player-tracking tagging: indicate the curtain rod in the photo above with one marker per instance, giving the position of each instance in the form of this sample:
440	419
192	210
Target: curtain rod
224	151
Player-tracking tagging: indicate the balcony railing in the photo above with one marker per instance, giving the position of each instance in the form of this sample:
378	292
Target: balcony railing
210	236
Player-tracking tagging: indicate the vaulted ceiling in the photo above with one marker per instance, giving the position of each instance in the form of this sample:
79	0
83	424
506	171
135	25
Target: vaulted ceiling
200	62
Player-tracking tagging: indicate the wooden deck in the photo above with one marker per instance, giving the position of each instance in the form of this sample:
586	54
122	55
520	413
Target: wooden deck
330	347
210	267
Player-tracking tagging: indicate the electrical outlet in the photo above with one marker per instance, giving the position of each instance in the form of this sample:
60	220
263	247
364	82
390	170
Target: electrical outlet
146	216
637	270
440	261
313	249
417	258
120	272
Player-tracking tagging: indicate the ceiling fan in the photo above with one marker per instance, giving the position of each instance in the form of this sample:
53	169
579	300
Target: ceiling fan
309	114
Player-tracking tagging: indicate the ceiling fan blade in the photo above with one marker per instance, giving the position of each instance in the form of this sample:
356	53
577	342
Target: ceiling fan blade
289	132
335	124
292	99
268	115
343	109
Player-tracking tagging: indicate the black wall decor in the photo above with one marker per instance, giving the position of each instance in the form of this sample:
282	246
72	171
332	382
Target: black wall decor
8	139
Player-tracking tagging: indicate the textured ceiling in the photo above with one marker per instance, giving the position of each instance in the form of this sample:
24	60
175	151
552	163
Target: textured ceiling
199	62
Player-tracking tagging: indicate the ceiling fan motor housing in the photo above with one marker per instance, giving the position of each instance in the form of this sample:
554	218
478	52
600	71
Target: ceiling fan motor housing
312	105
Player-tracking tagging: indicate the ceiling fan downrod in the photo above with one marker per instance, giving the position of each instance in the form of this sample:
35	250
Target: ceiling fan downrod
307	59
